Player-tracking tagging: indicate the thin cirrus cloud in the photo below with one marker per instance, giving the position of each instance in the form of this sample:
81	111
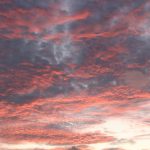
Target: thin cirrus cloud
74	75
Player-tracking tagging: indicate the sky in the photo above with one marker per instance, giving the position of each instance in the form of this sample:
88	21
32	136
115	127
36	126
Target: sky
74	74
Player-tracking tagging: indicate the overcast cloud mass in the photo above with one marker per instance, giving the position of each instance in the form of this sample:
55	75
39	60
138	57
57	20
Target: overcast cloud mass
74	75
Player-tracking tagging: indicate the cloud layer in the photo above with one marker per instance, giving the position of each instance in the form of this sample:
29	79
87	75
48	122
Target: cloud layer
74	75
